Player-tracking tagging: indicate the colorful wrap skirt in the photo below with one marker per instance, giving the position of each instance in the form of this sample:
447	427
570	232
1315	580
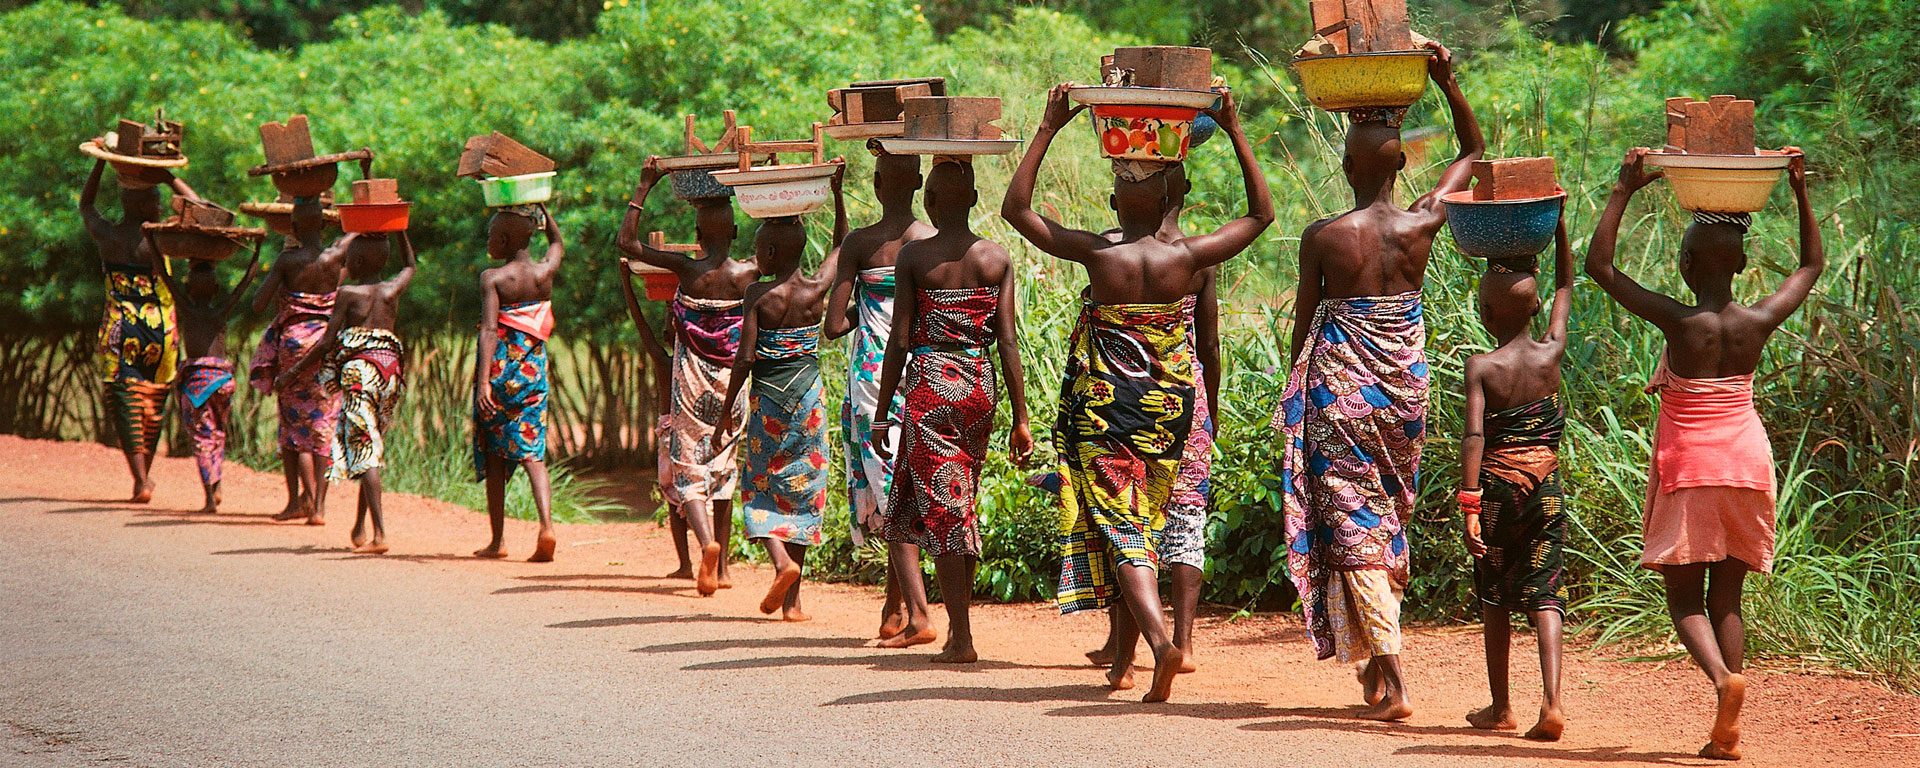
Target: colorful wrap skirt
366	369
137	354
868	476
516	431
1353	417
208	391
1184	542
706	338
308	408
1523	517
786	439
1125	412
950	392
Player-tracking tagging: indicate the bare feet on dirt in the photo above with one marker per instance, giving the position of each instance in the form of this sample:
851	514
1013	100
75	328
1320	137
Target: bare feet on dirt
1492	718
371	548
1187	665
1120	678
708	581
213	505
794	615
359	536
1726	721
1100	657
491	552
1552	724
957	653
294	511
1388	710
543	548
910	636
891	623
317	518
777	593
1373	687
1164	670
142	493
683	572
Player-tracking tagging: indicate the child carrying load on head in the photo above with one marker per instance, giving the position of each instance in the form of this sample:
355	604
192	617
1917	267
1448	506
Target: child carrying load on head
1515	517
1709	517
786	432
510	371
361	356
956	302
206	378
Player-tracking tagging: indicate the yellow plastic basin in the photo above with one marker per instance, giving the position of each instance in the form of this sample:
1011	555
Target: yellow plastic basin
1363	80
1722	183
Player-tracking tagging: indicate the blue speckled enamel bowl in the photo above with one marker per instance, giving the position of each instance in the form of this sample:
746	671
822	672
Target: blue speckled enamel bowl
1502	229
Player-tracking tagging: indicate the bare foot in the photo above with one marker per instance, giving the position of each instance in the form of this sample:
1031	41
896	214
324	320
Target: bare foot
1164	670
794	615
708	581
892	624
725	583
1726	721
1494	719
359	537
543	548
683	572
1120	678
908	637
293	512
1552	724
956	653
1388	710
1100	657
374	548
1714	751
491	552
1373	687
317	518
1187	665
213	505
777	593
142	492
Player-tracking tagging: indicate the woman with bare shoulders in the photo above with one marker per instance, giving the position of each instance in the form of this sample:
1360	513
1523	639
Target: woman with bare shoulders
786	433
510	371
1709	517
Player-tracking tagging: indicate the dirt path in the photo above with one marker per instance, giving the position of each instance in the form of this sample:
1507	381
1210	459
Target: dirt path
151	636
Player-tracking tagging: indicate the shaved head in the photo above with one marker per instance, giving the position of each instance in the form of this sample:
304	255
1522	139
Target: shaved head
1508	302
1373	151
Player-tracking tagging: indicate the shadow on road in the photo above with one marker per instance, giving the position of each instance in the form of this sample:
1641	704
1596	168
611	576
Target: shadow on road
672	591
1034	695
1586	755
754	642
597	577
1203	711
883	662
304	549
641	621
169	522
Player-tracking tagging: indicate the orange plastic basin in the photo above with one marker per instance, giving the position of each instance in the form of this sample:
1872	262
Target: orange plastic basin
373	217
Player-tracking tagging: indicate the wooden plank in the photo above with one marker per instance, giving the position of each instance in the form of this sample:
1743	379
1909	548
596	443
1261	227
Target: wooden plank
286	142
